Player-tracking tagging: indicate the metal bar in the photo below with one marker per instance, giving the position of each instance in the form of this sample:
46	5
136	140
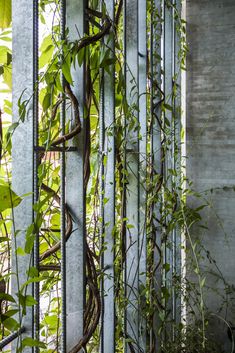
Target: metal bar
156	160
62	193
5	341
142	120
22	149
177	143
168	126
75	189
101	194
55	149
108	151
132	167
36	286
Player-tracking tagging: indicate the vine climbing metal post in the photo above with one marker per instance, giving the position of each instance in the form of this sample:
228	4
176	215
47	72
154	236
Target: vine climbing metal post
75	191
136	86
107	182
119	77
156	159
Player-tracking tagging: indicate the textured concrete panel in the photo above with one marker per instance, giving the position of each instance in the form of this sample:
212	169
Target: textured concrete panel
211	133
22	151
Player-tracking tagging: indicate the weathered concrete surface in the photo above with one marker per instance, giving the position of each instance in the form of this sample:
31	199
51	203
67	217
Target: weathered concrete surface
211	134
22	143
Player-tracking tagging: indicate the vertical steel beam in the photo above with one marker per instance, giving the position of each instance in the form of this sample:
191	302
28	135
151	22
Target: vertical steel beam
142	103
177	150
36	286
168	126
132	167
107	145
75	194
156	136
62	193
136	135
22	144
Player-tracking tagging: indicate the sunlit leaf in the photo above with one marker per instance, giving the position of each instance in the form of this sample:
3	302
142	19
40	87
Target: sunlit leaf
8	198
5	13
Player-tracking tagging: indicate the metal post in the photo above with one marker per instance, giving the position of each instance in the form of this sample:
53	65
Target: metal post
177	152
22	145
136	67
75	193
36	286
132	167
156	160
142	103
108	152
168	126
62	195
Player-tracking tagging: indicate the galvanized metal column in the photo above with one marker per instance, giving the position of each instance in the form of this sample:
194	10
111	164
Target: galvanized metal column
36	286
132	167
156	160
177	109
168	158
75	193
107	144
22	145
142	103
136	135
63	336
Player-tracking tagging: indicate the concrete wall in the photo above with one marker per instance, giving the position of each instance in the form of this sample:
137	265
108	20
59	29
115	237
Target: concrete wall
211	135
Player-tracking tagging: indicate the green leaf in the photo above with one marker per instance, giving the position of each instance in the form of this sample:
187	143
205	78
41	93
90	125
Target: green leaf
11	312
66	72
30	342
46	102
7	75
47	42
22	106
11	324
51	321
80	56
29	244
167	106
5	13
7	297
202	282
167	267
29	300
20	251
46	56
32	272
3	54
6	39
8	198
3	239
